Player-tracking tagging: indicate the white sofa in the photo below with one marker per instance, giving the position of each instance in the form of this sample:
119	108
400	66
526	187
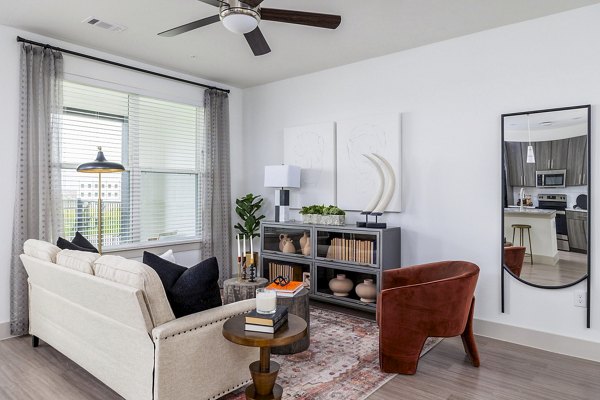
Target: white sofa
111	316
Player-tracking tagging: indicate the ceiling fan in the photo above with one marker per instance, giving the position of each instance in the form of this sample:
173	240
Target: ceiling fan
243	16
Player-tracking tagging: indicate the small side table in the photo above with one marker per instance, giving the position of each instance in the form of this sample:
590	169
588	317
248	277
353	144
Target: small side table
237	290
264	372
297	305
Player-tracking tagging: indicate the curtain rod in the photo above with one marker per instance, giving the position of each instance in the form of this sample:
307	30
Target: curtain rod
102	60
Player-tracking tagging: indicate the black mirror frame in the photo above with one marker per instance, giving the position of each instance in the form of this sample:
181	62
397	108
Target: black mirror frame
503	267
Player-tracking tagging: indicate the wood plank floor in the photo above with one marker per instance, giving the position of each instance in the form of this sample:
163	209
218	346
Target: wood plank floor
507	372
569	268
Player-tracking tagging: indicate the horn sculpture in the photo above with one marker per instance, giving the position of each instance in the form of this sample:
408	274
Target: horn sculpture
388	193
377	196
383	194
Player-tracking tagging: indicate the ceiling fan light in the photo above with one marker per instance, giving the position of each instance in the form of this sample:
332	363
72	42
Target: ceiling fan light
240	23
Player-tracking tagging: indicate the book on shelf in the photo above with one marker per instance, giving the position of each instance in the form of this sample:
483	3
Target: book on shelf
289	290
292	272
265	329
354	250
255	318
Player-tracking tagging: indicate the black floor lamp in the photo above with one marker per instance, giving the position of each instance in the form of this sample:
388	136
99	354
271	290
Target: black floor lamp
100	166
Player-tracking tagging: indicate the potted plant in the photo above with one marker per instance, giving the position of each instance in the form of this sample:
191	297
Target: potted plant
310	214
320	214
333	215
247	208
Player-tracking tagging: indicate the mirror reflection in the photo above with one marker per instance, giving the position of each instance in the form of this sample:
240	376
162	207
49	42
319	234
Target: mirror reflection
545	190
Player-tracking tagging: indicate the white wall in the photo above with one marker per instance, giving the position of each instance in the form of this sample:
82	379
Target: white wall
86	71
451	95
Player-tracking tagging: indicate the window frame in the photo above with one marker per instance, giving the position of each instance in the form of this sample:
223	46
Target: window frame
138	243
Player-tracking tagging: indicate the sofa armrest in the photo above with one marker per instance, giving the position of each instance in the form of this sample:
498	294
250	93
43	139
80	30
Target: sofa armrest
194	361
202	319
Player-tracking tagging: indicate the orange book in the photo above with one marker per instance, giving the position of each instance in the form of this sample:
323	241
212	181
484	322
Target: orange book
289	288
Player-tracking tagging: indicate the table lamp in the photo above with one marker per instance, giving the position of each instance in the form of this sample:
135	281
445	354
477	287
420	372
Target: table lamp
100	166
283	177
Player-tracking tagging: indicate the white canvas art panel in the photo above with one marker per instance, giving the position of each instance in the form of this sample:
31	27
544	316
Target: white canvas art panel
357	178
312	147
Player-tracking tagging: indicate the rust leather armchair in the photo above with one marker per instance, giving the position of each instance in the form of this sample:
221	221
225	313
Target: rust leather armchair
513	259
430	300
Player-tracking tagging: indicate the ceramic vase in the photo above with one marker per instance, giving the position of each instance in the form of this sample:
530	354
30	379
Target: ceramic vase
282	239
288	246
340	285
304	240
306	249
367	291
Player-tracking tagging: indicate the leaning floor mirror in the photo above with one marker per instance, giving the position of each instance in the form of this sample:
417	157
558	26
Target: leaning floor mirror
545	198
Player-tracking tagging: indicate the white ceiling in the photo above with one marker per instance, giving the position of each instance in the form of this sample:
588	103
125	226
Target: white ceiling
369	28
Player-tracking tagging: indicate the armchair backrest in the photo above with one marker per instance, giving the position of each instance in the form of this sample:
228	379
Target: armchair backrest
513	259
436	297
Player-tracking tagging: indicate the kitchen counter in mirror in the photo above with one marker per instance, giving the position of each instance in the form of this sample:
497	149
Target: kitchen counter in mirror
576	210
543	232
530	212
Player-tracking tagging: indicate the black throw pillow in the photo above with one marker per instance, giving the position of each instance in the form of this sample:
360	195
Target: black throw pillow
79	242
189	290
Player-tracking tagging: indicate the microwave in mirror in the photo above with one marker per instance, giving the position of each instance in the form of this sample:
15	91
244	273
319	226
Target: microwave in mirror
551	179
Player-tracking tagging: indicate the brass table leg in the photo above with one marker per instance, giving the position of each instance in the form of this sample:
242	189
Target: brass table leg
264	375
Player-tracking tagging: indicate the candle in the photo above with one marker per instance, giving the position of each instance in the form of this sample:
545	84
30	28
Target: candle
251	251
244	240
266	301
238	243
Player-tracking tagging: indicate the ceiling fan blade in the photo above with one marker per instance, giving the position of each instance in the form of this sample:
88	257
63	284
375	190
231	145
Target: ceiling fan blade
257	42
191	26
216	3
252	3
300	17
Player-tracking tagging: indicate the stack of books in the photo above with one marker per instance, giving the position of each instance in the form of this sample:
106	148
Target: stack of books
288	290
361	251
293	271
266	323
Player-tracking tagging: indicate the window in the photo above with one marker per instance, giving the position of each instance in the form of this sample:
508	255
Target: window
160	144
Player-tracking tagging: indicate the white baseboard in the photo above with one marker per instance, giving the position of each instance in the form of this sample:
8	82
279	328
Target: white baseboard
554	343
5	330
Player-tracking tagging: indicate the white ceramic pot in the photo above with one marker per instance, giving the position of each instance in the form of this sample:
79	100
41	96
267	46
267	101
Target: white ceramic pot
304	240
367	291
340	285
289	247
306	249
333	219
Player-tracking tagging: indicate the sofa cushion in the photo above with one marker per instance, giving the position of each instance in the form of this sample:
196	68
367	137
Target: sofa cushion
41	249
169	256
82	261
137	275
189	290
79	243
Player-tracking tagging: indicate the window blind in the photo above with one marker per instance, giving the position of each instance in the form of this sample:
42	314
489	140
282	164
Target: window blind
160	144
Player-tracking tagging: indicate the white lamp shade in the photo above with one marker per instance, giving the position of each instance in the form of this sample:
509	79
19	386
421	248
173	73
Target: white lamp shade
530	155
283	176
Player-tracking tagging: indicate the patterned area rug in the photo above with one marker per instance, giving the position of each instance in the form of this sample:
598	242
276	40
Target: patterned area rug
341	363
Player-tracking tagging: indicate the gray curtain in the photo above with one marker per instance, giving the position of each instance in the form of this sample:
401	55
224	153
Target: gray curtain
215	207
37	213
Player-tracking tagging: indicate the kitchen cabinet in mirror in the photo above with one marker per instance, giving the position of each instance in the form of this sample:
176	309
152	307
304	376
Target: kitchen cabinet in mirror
545	197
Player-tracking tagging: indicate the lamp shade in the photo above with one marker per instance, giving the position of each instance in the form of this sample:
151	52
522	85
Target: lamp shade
100	165
283	176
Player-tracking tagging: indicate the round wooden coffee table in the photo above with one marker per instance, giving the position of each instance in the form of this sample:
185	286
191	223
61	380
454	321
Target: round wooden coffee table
264	372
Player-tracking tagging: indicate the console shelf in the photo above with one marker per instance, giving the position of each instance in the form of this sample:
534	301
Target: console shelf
358	253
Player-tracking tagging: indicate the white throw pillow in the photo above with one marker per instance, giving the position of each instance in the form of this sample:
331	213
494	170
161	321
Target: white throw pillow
82	261
41	249
169	256
140	276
